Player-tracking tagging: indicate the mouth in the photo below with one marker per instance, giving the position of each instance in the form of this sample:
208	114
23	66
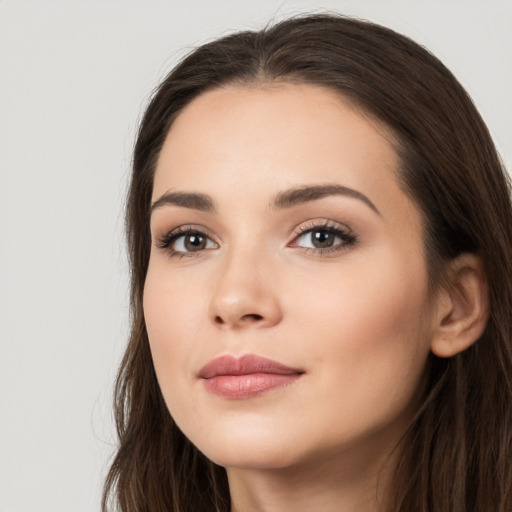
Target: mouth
248	376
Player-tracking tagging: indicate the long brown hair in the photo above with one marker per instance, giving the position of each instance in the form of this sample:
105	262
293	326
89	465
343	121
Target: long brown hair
456	455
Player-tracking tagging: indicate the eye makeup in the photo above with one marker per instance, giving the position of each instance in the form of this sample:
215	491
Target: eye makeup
186	240
317	237
323	237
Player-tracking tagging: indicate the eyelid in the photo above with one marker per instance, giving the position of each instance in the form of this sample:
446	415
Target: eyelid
318	224
343	231
165	240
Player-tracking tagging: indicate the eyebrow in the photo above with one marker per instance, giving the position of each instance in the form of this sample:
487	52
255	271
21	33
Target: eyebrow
193	200
286	199
296	196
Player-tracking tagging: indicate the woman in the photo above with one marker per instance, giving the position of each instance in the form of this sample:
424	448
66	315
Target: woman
320	235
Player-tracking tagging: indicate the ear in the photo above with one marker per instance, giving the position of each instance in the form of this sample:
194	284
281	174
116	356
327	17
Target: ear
462	307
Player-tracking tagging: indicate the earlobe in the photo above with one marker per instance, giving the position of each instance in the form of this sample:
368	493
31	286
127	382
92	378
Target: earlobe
462	308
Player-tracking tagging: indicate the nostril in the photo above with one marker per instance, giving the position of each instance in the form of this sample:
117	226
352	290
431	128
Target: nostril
252	317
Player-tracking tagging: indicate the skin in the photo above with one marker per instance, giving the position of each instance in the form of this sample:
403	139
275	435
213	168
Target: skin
358	320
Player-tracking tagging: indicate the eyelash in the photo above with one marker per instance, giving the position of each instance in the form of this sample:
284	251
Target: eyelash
166	241
347	237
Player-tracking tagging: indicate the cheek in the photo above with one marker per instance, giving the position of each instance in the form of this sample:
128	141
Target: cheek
388	296
170	312
369	326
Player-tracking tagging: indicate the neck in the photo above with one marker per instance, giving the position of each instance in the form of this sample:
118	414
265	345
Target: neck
341	482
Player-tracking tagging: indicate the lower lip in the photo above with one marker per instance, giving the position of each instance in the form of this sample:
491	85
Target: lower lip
236	387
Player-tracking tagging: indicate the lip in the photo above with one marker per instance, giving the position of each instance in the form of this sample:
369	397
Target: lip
246	376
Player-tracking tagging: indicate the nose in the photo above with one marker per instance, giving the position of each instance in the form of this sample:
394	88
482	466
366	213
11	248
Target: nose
245	294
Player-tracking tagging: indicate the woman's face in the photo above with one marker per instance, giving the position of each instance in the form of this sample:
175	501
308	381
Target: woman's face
280	233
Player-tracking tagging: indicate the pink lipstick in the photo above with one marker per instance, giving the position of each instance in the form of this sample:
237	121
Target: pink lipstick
248	376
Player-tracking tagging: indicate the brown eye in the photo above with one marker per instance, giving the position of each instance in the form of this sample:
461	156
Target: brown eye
191	242
194	242
325	239
322	239
319	239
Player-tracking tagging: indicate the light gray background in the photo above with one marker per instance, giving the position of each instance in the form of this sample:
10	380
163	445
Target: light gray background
74	76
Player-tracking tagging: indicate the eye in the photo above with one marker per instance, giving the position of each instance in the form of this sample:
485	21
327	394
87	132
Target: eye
192	242
324	238
185	240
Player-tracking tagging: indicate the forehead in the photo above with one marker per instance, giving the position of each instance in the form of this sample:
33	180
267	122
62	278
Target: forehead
265	138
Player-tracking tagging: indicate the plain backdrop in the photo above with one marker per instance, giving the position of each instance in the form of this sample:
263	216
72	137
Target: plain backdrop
74	78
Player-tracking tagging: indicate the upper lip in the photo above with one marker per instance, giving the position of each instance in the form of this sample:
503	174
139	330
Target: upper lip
244	365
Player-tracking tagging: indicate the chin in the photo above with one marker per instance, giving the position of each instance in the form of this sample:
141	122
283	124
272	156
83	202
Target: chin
250	452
